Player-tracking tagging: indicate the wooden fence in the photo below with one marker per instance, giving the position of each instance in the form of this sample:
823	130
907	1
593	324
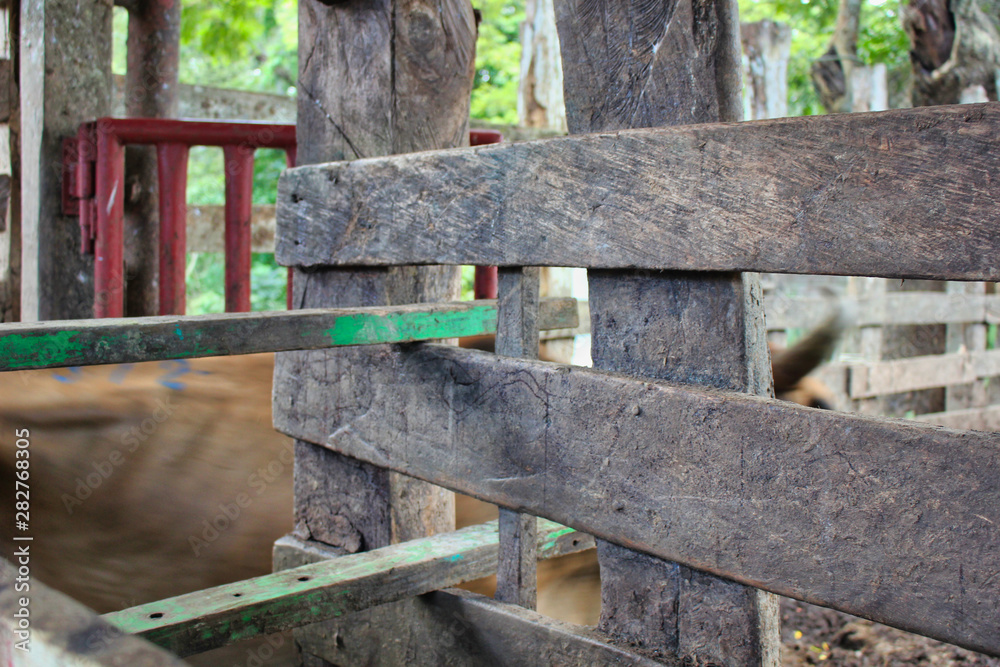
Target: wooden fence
888	520
704	497
951	328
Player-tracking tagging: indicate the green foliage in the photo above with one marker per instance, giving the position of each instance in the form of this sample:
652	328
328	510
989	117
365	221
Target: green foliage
498	61
881	39
206	276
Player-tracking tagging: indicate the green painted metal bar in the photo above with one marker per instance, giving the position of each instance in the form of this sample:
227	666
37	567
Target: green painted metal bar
207	619
115	341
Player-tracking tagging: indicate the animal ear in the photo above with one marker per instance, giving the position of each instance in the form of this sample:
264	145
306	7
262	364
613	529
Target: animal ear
792	364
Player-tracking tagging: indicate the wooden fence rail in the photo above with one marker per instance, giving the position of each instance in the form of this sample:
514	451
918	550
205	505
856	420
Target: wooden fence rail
721	197
876	518
127	340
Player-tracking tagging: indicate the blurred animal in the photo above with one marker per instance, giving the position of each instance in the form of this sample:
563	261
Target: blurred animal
152	480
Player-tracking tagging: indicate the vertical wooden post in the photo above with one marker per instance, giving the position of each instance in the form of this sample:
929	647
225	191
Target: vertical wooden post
376	78
154	33
517	336
969	337
65	77
10	228
632	64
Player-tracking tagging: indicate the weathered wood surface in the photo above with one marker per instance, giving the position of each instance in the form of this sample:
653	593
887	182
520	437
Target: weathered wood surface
894	308
377	78
517	336
980	419
62	632
938	370
649	64
64	80
455	628
207	102
117	341
785	196
204	620
705	329
888	520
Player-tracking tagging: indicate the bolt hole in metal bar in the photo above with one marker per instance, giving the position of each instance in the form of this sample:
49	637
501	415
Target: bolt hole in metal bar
94	182
214	617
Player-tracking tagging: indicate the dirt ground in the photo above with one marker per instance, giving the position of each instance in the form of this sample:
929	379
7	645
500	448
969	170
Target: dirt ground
816	636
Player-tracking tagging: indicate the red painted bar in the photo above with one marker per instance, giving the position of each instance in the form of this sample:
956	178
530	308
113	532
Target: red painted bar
239	208
109	247
483	137
86	156
485	286
171	170
291	155
199	133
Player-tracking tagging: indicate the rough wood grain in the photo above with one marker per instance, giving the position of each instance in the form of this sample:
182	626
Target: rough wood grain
453	628
517	336
65	79
638	64
62	632
785	196
116	341
888	520
378	78
204	620
705	329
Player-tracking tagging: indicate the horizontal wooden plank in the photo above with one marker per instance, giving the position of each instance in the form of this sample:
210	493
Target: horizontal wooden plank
204	620
898	308
455	628
206	228
850	194
220	103
126	340
40	627
980	419
894	521
911	374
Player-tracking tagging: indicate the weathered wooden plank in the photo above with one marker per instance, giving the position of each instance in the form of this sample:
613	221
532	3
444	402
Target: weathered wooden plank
40	627
786	196
894	308
635	64
937	370
517	336
220	103
706	329
204	620
877	518
116	341
455	628
980	419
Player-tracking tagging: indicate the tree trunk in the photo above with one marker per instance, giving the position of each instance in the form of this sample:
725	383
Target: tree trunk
954	46
831	74
540	93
